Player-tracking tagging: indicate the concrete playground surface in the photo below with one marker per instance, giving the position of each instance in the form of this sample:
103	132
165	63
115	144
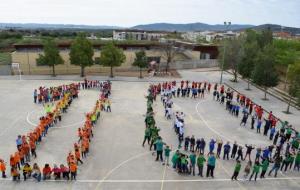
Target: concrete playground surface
117	160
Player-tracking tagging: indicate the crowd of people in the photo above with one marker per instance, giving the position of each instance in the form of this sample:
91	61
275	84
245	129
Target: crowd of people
46	95
285	157
26	144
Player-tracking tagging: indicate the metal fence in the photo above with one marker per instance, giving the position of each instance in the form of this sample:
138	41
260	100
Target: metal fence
5	69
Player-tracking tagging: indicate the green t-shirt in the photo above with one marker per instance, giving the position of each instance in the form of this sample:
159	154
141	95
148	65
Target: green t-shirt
237	167
288	131
297	158
265	165
175	158
183	160
159	145
290	159
256	168
295	144
200	160
193	159
93	117
167	152
147	132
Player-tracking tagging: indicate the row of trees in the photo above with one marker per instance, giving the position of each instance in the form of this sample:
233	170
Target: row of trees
81	54
257	57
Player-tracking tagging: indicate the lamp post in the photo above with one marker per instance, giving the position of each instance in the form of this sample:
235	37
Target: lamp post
226	24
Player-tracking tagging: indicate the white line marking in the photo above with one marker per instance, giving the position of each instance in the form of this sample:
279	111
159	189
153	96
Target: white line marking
117	167
163	177
158	180
207	125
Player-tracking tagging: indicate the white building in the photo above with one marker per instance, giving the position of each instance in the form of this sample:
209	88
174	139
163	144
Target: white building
128	34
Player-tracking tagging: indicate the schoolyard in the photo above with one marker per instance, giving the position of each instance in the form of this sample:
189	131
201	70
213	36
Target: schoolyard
117	160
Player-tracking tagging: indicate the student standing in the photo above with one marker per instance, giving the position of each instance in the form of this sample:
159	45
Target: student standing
234	150
200	164
276	166
248	151
219	147
73	170
247	169
212	145
211	163
226	151
237	169
255	171
264	168
2	168
167	155
192	163
159	149
147	136
240	153
297	161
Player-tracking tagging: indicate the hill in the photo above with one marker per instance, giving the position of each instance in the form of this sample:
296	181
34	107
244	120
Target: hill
278	28
190	27
53	26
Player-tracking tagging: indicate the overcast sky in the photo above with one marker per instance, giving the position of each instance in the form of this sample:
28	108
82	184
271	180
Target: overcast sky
132	12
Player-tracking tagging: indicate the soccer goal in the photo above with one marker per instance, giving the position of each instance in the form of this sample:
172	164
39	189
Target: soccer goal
16	67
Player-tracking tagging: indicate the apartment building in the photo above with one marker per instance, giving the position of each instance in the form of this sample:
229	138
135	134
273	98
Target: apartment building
129	34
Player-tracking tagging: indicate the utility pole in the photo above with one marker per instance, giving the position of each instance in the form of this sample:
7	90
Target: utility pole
226	24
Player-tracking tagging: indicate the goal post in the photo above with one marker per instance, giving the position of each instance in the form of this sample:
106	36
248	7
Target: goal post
16	66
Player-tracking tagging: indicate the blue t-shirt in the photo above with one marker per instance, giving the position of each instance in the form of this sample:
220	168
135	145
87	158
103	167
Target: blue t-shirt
19	141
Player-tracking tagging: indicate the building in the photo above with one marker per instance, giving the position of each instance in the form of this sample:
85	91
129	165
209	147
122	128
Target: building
208	36
129	34
282	35
192	56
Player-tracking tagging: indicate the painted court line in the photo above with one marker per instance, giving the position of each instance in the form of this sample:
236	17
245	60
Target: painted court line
207	125
117	167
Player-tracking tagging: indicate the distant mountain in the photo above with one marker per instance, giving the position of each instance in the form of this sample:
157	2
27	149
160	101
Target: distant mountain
52	26
190	27
155	26
278	28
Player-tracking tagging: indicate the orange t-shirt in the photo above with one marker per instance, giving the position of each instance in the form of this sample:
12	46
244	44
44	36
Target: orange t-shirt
17	157
73	167
2	166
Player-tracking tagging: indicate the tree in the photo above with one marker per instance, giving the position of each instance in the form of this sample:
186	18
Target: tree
51	55
264	73
169	52
294	83
248	54
287	53
82	53
112	56
140	61
265	38
230	55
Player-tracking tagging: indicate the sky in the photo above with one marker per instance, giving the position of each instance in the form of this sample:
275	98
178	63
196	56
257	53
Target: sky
128	13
